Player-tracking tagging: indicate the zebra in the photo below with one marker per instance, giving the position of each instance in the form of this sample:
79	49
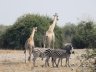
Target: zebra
69	50
54	54
58	53
38	53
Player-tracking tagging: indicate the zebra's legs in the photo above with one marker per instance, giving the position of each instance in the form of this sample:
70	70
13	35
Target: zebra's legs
67	61
34	59
47	61
54	62
60	59
58	62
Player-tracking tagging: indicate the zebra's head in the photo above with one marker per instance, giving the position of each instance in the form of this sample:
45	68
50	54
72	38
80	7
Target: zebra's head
69	48
42	55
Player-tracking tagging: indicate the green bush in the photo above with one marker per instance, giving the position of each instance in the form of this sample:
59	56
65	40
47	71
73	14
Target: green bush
16	36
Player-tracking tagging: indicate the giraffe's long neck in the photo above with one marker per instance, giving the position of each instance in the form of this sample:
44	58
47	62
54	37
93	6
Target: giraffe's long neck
51	28
32	35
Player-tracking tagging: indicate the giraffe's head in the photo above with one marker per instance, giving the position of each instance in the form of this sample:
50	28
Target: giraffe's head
34	29
56	16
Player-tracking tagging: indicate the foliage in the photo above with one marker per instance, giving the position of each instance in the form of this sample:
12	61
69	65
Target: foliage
81	35
87	61
58	37
3	29
16	36
68	32
85	35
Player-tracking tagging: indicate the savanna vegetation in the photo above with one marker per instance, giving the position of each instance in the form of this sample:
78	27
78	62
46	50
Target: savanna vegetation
82	35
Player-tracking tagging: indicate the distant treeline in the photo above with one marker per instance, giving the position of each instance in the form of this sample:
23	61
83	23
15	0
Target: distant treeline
3	28
81	35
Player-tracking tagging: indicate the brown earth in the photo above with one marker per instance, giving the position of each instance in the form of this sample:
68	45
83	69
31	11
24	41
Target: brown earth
14	61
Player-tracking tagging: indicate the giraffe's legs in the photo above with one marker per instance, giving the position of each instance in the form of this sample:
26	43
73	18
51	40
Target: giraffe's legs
44	41
30	53
25	54
53	44
49	45
49	42
29	58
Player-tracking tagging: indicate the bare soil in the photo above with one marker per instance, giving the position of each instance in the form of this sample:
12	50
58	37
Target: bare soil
14	61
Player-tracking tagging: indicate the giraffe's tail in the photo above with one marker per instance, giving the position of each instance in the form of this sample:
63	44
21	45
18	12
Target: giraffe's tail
26	46
24	51
25	55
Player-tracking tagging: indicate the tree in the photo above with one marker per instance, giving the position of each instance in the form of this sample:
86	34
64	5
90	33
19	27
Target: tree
85	35
68	32
16	36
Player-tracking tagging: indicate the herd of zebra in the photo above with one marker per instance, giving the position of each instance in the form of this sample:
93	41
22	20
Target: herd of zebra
53	54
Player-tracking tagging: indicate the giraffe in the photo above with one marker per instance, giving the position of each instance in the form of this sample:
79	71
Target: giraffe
29	44
50	36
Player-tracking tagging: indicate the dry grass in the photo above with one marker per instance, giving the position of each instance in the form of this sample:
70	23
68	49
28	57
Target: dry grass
14	61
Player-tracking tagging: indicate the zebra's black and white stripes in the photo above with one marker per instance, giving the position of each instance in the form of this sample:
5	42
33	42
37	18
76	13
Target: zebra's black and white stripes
38	52
58	53
55	54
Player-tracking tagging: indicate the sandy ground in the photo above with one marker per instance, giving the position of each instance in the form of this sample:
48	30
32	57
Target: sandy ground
14	61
